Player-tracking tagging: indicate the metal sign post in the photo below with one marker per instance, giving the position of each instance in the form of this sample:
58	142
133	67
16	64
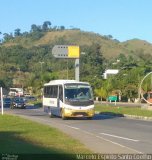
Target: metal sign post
1	90
77	69
68	52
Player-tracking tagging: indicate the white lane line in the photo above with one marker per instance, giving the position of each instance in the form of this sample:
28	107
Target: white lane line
110	141
111	135
115	143
89	133
120	145
72	127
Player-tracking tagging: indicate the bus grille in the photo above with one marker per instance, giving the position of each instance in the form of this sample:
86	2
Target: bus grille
79	113
80	103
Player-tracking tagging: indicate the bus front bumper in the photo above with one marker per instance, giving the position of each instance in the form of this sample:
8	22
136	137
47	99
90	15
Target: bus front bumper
79	113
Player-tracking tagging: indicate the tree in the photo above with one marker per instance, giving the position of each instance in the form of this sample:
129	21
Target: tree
25	34
35	28
105	88
0	39
62	27
131	92
46	25
91	64
17	32
2	83
96	58
123	59
109	36
101	92
7	36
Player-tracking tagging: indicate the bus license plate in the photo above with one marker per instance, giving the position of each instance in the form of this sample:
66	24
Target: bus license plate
79	115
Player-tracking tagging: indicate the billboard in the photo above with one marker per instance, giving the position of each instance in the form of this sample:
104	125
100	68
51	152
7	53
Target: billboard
65	51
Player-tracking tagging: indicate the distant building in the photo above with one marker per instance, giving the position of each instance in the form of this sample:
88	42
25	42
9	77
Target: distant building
110	72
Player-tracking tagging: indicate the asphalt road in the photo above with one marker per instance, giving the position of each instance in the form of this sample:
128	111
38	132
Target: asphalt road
103	134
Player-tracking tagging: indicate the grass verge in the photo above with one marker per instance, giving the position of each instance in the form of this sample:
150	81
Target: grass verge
137	111
21	136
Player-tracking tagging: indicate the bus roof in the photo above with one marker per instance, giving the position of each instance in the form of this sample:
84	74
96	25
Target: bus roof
62	82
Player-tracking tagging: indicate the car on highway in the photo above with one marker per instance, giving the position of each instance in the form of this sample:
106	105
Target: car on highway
29	98
18	102
7	102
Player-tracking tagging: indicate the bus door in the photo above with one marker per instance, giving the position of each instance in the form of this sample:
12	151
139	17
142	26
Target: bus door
59	99
53	92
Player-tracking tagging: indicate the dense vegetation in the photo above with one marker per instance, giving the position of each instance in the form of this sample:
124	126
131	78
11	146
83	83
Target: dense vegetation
26	60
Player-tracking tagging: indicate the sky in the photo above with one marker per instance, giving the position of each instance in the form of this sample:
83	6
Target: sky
123	19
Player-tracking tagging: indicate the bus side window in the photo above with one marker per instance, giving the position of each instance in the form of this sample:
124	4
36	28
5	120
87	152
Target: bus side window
45	92
61	93
54	91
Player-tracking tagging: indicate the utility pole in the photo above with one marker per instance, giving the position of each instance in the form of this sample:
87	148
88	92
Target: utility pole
1	90
41	65
77	69
41	71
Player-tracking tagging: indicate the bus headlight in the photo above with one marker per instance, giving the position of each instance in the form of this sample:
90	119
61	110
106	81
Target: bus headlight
67	111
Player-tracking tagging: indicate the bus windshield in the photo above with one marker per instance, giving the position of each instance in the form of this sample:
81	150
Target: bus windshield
78	92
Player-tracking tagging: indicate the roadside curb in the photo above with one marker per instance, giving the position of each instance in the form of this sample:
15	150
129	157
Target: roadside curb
138	117
126	116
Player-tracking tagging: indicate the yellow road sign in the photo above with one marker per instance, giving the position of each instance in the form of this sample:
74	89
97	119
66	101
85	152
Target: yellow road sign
73	52
65	51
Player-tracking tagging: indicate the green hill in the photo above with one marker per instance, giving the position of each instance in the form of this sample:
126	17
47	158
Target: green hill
20	56
136	45
109	47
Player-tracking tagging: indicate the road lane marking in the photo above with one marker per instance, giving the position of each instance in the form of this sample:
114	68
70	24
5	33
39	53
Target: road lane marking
119	144
115	143
110	141
89	133
72	127
111	135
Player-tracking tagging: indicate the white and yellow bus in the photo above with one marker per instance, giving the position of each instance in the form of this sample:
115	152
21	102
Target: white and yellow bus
68	98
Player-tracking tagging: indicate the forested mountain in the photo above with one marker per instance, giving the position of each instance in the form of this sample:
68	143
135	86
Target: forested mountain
26	58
